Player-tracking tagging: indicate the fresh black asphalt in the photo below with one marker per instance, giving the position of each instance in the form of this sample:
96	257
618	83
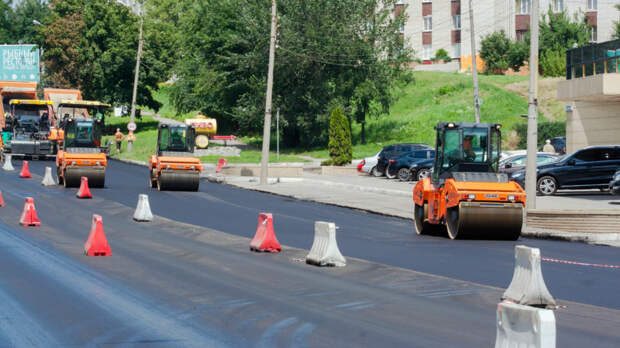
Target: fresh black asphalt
173	280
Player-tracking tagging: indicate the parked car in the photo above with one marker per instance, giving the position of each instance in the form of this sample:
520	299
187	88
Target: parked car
518	162
590	167
369	165
401	166
614	185
396	150
422	169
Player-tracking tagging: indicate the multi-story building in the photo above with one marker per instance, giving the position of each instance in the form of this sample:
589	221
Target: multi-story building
444	24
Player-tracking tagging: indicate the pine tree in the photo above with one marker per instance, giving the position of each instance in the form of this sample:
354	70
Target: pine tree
340	148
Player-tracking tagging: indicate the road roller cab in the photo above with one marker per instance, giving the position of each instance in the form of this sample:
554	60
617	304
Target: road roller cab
465	193
80	153
174	167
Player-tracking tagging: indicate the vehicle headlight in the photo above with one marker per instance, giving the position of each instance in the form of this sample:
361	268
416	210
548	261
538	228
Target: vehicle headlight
511	197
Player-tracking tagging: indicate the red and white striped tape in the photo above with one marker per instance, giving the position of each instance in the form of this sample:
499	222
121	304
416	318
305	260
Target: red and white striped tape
579	263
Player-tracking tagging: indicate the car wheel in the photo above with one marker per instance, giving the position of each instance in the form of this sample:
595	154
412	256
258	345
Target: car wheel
375	172
404	174
547	185
389	174
423	173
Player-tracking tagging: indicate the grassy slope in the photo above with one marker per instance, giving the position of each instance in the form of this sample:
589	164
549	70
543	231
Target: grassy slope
433	97
421	105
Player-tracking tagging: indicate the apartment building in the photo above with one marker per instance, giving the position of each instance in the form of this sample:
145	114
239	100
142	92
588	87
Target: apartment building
444	24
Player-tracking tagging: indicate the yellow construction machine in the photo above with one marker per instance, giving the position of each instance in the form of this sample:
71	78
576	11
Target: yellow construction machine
174	167
465	192
81	153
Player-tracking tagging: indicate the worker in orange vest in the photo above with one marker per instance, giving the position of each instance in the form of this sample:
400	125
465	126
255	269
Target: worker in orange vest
118	137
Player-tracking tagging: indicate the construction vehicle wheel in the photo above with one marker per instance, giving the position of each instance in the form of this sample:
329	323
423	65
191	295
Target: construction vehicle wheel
452	222
179	181
59	177
418	218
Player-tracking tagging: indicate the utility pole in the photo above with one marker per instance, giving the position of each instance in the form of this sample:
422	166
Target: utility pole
532	114
135	82
474	69
267	126
278	134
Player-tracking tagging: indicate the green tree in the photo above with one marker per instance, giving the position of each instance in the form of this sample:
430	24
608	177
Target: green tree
6	22
321	58
441	54
559	33
92	45
500	53
26	11
340	148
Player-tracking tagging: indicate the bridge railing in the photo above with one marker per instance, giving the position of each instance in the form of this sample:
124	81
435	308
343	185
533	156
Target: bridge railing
594	59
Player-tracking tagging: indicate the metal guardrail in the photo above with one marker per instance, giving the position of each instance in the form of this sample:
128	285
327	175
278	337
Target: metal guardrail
595	59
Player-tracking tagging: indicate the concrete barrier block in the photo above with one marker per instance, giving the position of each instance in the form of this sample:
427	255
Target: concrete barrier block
528	286
48	179
143	210
8	165
521	326
324	251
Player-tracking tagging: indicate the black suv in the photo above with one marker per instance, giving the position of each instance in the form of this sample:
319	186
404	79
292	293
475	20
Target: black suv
396	150
591	167
407	166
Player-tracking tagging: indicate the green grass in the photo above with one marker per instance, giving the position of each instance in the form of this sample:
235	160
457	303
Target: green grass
437	97
167	110
252	156
419	106
145	144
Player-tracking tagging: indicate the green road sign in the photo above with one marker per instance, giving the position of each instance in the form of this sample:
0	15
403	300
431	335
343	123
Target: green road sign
19	63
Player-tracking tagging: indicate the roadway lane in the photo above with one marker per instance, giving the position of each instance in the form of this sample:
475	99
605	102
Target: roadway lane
173	284
372	237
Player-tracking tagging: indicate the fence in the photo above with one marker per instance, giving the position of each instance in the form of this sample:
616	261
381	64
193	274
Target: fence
593	59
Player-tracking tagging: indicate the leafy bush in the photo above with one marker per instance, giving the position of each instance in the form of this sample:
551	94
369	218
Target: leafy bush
441	54
546	130
499	53
553	63
340	148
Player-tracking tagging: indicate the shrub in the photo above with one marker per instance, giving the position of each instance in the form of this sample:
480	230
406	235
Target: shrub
340	148
546	130
441	54
553	63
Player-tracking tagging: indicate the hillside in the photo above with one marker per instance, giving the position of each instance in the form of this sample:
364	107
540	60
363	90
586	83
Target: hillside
434	97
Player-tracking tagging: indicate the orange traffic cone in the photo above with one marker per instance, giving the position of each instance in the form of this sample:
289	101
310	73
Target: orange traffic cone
84	192
1	200
265	239
97	243
25	173
29	215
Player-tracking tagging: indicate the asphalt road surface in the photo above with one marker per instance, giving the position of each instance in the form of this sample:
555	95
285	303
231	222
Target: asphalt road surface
188	278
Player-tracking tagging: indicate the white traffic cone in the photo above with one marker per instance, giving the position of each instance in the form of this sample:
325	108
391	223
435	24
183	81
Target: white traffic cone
143	210
8	166
48	180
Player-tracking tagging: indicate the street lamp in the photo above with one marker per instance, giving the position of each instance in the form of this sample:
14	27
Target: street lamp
42	67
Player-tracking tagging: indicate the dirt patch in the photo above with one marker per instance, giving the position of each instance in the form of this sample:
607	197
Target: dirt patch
549	105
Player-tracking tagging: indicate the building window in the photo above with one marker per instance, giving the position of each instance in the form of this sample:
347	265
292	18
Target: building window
427	52
521	35
456	21
558	5
402	28
593	34
428	23
456	50
592	4
523	6
427	0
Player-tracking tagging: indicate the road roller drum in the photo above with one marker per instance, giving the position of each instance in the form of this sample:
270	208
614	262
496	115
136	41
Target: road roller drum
95	175
178	180
485	220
